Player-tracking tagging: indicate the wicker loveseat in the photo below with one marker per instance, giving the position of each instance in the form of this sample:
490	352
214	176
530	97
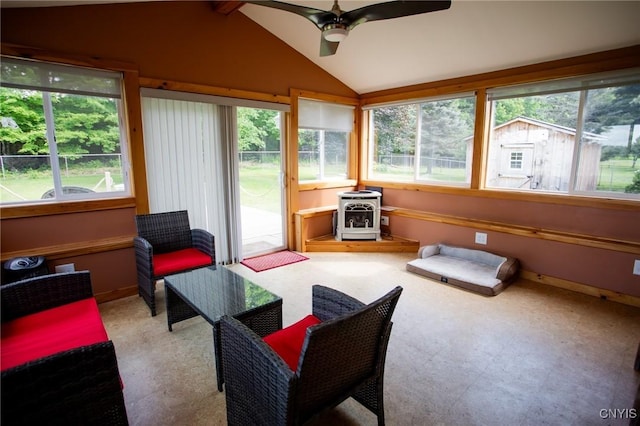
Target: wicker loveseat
291	375
58	366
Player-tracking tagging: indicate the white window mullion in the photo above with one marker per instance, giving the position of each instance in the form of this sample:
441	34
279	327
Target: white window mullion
51	141
418	145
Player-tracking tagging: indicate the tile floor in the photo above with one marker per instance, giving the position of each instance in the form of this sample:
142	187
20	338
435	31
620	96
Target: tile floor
533	355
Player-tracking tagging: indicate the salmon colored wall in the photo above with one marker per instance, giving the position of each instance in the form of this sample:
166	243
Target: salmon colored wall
603	222
605	269
23	233
181	41
111	271
320	197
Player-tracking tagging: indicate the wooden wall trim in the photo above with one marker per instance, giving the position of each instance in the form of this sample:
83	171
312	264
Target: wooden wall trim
155	83
520	230
48	209
81	248
557	199
39	54
580	288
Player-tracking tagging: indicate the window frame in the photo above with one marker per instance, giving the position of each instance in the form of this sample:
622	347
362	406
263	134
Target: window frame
416	180
352	154
81	70
581	85
133	120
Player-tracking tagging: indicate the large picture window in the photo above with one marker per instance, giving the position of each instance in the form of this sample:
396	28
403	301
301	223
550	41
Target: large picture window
429	141
61	133
576	136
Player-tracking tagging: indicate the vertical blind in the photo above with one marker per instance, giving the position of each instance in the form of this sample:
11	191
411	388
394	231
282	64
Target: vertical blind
188	152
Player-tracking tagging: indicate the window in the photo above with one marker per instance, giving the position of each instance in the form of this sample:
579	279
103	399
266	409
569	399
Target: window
516	161
324	134
429	141
575	136
61	133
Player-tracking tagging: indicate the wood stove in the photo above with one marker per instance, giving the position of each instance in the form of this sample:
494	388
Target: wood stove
358	215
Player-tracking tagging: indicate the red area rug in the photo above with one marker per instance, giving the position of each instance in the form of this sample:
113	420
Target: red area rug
273	260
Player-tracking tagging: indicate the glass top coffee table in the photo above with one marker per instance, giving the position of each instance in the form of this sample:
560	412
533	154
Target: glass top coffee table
213	292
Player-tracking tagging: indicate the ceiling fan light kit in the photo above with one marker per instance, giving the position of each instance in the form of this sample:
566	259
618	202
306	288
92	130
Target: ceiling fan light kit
335	32
335	24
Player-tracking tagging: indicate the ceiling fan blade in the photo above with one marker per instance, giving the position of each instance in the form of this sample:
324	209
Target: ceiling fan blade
390	10
328	48
319	17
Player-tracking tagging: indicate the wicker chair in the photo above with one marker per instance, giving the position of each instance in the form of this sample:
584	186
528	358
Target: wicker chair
77	386
343	356
166	245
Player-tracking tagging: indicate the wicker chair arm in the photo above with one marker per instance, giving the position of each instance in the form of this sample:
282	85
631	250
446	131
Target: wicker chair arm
205	242
143	247
258	383
37	294
79	386
144	251
329	303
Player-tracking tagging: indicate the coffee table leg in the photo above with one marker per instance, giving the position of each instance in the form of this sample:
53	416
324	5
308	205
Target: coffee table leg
177	309
217	352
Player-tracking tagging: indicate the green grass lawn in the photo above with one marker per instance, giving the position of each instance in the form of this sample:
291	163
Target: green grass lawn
20	187
615	174
260	186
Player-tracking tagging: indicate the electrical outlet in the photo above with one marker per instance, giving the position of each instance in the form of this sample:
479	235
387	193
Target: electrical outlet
481	238
67	267
384	220
636	267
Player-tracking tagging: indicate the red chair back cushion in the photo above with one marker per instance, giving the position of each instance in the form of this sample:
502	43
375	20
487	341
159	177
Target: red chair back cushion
288	342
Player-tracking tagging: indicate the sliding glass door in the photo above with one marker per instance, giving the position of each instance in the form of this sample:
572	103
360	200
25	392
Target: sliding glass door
261	185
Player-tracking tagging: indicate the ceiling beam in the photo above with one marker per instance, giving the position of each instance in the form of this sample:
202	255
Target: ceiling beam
226	7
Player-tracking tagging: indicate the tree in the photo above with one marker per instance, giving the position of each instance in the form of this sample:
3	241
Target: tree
634	187
622	108
634	151
83	124
258	129
26	132
395	129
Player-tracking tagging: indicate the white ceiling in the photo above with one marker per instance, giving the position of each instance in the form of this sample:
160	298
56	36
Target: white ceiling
471	37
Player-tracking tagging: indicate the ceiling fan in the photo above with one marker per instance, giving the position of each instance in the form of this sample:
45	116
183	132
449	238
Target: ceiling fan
336	23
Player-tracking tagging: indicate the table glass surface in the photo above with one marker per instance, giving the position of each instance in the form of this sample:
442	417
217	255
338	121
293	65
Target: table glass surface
217	291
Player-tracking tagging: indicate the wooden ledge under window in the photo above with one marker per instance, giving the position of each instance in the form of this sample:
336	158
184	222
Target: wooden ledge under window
60	251
53	208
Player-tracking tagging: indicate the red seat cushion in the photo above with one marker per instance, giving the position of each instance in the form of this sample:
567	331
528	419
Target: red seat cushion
288	342
178	261
51	331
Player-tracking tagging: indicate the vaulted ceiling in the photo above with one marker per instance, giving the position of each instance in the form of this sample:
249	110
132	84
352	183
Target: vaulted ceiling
471	37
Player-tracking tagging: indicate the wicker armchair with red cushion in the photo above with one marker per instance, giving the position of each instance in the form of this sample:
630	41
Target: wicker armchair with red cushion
292	375
58	364
167	245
